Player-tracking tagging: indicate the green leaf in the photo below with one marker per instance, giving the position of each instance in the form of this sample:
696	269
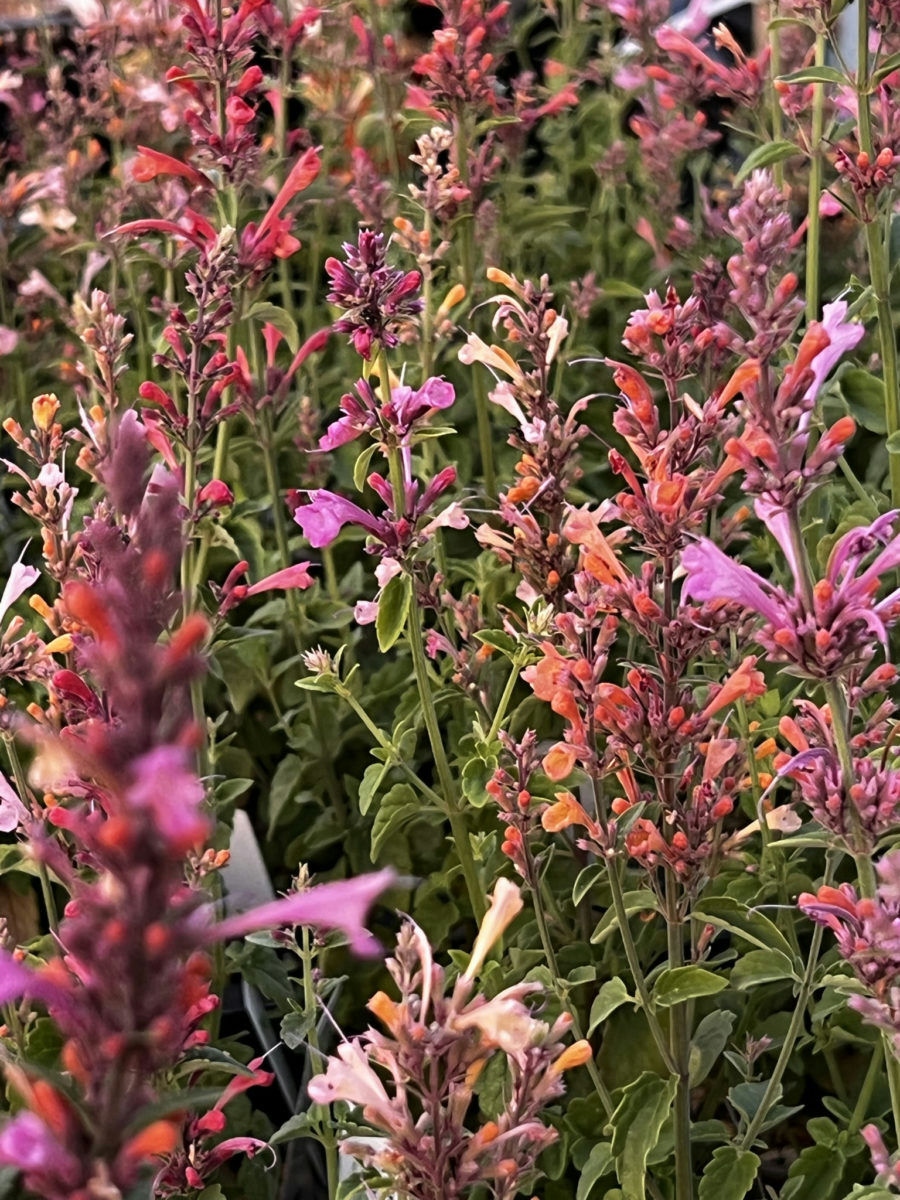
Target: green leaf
864	394
709	1040
892	444
599	1163
301	1125
613	994
361	466
284	786
766	156
761	966
815	1174
371	783
636	1125
729	1174
400	805
499	640
586	879
619	288
295	1027
727	913
886	67
679	984
642	900
188	1100
815	75
393	608
271	314
476	775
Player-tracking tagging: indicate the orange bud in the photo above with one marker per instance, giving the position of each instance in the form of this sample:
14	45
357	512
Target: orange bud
43	409
575	1055
157	1139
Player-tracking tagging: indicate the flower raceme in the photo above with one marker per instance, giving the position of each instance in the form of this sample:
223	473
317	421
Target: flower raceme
393	420
378	301
414	1082
826	632
130	986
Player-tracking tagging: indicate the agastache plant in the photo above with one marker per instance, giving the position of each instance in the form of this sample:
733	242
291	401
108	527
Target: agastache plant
415	1081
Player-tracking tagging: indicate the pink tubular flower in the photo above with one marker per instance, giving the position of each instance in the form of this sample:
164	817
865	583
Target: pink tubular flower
398	417
832	631
326	515
377	300
297	576
151	163
341	905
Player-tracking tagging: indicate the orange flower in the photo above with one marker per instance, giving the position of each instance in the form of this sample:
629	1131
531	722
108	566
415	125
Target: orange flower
567	811
559	762
599	559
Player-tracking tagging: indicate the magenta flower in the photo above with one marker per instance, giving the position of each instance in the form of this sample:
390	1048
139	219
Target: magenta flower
397	418
378	301
832	630
342	905
326	515
27	1144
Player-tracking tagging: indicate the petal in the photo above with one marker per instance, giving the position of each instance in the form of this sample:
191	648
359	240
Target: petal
342	905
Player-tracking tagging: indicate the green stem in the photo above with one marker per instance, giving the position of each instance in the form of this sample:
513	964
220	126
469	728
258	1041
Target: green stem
773	1089
500	714
637	971
455	812
877	254
865	1092
559	984
777	116
680	1049
467	251
310	1012
387	745
814	221
18	772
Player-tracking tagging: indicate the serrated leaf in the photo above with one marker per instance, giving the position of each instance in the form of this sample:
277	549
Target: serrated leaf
586	879
729	1174
727	913
761	966
611	996
498	640
636	1125
641	900
301	1125
370	786
476	775
765	156
864	394
599	1163
399	805
271	314
393	608
679	984
295	1027
815	1174
709	1040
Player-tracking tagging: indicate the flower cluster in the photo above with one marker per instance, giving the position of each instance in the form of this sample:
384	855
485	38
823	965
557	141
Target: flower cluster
415	1082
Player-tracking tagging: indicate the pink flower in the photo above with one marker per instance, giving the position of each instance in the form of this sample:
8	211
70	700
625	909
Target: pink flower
349	1077
341	905
12	810
296	576
28	1145
326	515
830	631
